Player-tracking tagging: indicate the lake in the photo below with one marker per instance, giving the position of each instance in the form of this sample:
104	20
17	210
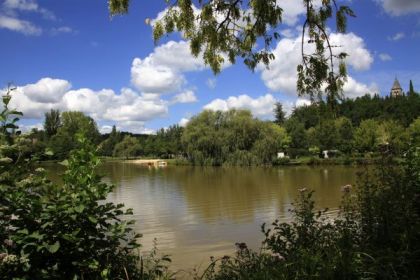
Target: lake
198	212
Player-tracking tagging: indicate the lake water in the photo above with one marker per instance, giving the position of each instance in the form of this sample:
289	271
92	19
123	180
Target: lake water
198	212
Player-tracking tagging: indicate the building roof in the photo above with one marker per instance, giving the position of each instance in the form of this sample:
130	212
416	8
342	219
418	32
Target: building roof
396	84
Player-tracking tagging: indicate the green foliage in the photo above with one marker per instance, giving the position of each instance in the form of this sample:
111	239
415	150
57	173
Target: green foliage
279	115
52	122
411	90
327	135
366	136
414	132
297	133
66	231
108	145
394	135
233	138
309	116
73	123
128	147
8	118
404	109
345	134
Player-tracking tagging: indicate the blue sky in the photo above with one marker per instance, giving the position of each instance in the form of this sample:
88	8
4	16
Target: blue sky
70	55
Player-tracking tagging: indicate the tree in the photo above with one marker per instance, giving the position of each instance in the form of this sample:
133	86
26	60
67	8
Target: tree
234	137
414	132
327	135
345	133
366	136
52	122
297	132
272	140
226	30
411	91
279	115
308	115
108	145
72	124
391	133
128	147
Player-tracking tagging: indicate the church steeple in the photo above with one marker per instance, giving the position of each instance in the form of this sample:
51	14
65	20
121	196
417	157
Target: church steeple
396	89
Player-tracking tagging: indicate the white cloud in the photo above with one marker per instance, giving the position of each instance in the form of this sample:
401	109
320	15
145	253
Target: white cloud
23	5
385	57
162	71
62	30
400	7
183	122
292	9
9	16
154	78
18	25
185	97
353	89
281	75
359	56
177	56
47	90
11	6
261	106
139	110
398	36
128	109
135	127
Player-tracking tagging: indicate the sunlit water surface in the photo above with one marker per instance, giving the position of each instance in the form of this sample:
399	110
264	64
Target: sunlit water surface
198	212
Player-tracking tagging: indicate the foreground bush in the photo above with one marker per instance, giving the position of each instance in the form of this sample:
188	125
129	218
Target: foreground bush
65	231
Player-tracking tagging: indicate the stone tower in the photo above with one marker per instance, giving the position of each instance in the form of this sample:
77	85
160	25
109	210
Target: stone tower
396	89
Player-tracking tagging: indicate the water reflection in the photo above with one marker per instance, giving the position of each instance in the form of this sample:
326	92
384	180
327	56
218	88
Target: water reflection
199	212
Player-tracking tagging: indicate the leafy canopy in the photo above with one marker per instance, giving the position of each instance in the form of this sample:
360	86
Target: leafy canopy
220	30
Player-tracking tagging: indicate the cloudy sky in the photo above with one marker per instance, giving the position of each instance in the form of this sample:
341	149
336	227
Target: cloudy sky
69	55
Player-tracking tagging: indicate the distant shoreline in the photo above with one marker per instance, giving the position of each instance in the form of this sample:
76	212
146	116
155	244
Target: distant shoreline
308	161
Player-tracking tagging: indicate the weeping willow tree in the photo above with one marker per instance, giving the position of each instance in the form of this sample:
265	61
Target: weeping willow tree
225	30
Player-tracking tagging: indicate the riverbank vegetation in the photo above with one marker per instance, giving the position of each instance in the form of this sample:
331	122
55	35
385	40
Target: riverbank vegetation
355	131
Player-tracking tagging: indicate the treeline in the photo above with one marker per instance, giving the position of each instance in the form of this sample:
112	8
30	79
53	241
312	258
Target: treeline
59	136
353	128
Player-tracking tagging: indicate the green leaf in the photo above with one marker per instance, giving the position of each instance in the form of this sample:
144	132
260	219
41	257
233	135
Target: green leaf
79	209
54	247
93	219
36	235
48	152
